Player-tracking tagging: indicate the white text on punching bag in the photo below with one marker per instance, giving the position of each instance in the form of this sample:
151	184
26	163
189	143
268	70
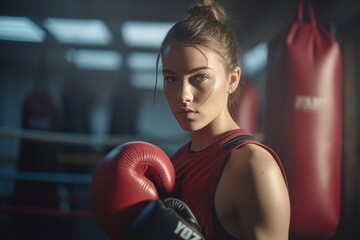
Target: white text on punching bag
308	103
186	233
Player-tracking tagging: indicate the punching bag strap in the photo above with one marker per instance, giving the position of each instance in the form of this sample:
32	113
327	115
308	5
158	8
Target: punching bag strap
310	12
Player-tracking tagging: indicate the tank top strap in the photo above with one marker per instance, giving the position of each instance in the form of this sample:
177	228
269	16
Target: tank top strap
239	137
235	139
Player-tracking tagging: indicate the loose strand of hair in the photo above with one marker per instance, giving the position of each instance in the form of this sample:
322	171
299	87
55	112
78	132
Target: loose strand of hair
156	78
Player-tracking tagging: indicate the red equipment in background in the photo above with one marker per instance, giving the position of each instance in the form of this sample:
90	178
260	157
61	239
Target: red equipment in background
245	109
304	122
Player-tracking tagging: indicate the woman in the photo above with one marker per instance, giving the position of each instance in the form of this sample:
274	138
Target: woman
234	185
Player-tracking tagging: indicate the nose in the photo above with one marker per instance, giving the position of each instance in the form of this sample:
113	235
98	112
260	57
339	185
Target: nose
185	94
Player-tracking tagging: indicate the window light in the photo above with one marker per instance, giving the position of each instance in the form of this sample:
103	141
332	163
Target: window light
255	59
94	59
144	34
145	80
76	31
141	61
20	29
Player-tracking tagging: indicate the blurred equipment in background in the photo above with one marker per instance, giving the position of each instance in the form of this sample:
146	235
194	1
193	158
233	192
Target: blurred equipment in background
245	109
39	113
304	122
75	158
124	107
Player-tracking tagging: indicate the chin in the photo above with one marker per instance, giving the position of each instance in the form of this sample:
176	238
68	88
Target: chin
187	128
191	127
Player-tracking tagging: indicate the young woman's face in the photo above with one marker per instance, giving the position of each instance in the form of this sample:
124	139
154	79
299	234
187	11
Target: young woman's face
195	85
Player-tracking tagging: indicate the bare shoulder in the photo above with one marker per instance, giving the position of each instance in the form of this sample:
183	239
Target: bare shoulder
259	194
252	160
253	195
255	175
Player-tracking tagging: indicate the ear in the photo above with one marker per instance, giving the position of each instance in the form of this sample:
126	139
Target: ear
234	80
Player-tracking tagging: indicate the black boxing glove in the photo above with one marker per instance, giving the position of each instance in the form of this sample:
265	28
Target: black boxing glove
169	219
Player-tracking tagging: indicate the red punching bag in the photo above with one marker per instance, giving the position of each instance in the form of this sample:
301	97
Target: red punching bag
304	122
245	108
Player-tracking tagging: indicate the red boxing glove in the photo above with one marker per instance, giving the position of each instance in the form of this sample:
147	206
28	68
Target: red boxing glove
125	181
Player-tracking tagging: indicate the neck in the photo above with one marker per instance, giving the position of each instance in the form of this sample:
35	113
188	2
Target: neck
210	134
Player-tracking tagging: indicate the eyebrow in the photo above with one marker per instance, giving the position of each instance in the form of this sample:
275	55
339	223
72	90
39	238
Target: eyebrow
191	70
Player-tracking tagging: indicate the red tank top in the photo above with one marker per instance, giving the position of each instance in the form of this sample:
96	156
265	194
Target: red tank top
198	174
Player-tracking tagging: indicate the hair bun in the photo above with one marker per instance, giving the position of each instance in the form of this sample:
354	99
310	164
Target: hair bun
210	9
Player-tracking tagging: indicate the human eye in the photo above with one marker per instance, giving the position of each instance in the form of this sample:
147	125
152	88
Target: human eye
199	78
170	79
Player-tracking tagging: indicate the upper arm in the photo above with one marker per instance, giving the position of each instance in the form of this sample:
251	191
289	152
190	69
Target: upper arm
260	198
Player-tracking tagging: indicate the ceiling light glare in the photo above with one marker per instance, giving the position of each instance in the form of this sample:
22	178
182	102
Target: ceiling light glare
76	31
145	80
141	61
144	34
20	29
94	59
255	59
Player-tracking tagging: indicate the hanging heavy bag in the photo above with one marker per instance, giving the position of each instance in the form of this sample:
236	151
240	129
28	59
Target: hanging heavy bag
39	113
304	122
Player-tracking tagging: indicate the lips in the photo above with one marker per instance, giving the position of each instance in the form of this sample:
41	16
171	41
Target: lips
186	112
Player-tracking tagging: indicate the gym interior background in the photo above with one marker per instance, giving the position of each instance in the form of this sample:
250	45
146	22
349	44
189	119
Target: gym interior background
76	79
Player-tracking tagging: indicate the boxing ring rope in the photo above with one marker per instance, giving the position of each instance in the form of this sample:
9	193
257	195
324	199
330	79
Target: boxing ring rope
56	178
63	178
83	139
47	212
77	178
